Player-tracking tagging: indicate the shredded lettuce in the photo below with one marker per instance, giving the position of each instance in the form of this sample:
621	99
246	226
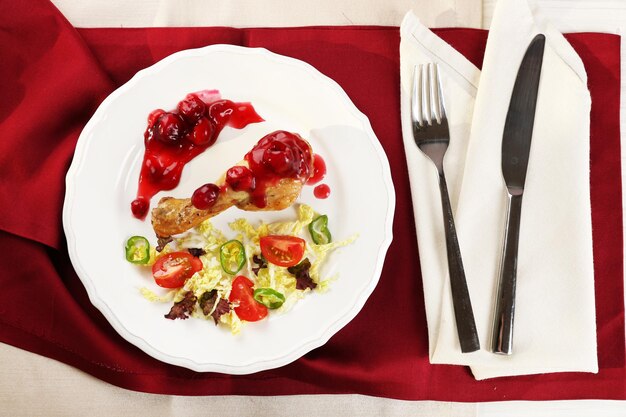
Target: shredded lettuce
233	321
248	231
305	216
154	297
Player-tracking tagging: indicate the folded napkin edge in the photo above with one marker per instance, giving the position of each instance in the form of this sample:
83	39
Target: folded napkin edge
442	52
556	39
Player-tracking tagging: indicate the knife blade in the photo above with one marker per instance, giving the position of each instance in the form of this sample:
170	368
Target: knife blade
516	140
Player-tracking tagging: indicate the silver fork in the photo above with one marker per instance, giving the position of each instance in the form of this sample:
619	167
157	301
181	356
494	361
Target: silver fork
432	136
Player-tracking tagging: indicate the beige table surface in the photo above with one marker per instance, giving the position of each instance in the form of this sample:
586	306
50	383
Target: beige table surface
33	385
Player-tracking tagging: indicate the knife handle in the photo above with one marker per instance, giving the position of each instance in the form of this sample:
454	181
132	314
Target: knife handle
463	313
502	336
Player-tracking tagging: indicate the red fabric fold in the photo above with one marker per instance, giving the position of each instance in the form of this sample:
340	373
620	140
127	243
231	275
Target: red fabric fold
53	78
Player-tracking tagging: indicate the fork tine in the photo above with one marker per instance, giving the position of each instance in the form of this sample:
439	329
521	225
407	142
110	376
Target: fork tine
426	104
435	93
442	104
416	100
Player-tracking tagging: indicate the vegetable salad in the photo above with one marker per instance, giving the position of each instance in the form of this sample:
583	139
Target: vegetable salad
264	268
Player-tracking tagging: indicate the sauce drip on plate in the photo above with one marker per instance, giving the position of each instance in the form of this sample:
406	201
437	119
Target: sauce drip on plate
322	191
319	170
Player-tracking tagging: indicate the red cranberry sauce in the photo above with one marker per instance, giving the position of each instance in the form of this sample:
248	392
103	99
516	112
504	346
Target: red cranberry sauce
321	191
174	138
319	170
277	155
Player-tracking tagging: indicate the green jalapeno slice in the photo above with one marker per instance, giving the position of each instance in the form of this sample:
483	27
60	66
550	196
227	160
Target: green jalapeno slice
232	256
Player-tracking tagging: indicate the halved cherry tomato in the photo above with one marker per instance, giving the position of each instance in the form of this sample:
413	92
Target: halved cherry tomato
282	250
173	269
242	294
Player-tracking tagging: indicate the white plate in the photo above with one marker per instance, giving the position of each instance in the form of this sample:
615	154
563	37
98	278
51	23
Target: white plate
288	94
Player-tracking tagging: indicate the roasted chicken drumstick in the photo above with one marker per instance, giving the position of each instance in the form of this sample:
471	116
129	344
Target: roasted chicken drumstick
270	177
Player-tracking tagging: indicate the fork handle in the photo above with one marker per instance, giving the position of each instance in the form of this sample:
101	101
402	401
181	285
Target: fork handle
463	313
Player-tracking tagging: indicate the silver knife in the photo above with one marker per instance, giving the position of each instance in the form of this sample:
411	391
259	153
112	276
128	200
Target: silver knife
518	131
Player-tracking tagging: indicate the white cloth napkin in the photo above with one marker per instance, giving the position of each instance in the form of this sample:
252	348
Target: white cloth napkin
555	309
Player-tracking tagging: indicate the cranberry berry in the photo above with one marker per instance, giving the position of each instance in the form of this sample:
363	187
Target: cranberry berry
191	108
220	111
205	197
154	116
279	157
203	133
139	207
240	178
169	128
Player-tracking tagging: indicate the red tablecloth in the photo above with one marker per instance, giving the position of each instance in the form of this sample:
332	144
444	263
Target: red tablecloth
54	76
